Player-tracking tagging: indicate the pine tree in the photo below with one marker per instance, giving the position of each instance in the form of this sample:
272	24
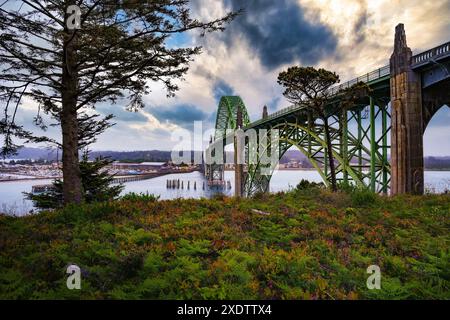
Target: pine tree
69	55
310	88
96	181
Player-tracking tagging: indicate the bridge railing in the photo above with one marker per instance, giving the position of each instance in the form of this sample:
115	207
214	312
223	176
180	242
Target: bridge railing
417	60
443	49
368	77
277	114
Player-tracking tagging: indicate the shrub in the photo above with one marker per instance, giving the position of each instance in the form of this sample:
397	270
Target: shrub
272	233
97	185
313	245
233	274
73	214
132	196
364	197
347	187
307	185
259	195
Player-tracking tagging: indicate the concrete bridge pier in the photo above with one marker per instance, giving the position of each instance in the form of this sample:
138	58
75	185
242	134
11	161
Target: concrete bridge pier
407	122
238	158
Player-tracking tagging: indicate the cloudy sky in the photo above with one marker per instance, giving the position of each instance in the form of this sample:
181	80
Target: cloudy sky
351	37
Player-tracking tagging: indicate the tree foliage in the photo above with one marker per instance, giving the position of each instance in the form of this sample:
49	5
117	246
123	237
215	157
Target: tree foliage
115	52
97	185
310	88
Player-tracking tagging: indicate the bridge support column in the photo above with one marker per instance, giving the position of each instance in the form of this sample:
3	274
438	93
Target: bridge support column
238	157
407	121
373	147
344	145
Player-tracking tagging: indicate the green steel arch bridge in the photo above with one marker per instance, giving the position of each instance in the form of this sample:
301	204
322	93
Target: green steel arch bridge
376	143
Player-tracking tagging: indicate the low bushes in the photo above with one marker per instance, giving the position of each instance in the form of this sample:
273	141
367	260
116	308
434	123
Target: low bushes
313	244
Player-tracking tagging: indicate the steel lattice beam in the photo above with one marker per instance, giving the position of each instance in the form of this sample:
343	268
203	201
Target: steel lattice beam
360	154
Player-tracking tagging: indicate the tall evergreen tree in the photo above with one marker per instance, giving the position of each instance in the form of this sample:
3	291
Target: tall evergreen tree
96	182
68	55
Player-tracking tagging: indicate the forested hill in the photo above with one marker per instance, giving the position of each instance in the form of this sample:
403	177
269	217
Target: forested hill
435	163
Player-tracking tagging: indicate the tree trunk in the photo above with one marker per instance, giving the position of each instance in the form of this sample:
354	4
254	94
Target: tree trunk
330	154
72	186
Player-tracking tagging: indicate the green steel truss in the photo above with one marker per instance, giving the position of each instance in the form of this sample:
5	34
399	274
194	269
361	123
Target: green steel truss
360	134
227	115
359	143
360	154
225	120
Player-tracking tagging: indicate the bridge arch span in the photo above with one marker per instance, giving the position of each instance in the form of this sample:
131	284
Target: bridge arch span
436	133
431	110
226	119
227	115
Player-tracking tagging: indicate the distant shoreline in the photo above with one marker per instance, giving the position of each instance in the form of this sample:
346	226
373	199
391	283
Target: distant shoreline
30	179
166	173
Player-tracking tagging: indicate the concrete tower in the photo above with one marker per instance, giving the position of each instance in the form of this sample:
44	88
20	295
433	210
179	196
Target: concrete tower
407	120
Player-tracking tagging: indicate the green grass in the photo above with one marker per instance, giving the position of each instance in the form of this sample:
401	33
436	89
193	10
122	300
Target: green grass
314	245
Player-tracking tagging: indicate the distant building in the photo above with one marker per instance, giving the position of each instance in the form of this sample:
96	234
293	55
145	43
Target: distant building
293	164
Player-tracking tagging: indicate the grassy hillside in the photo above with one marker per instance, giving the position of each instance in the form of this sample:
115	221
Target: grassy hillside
309	244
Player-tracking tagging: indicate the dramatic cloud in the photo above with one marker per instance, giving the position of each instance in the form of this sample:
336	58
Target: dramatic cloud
365	29
221	88
120	113
351	37
183	115
279	32
360	24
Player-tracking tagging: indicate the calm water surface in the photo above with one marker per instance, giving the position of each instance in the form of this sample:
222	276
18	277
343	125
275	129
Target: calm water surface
12	202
